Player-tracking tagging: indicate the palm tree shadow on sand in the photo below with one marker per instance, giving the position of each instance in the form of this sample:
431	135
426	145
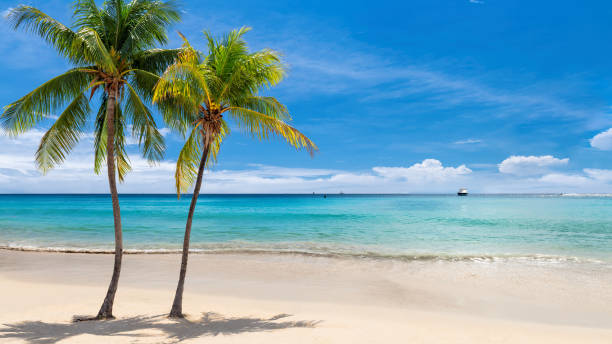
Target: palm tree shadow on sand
211	324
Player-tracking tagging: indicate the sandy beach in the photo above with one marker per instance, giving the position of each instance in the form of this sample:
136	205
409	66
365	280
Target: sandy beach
264	298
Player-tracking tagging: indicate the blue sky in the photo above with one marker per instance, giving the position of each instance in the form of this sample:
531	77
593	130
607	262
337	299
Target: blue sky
410	96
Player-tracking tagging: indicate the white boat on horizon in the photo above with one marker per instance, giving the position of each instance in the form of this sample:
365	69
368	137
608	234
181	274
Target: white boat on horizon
462	192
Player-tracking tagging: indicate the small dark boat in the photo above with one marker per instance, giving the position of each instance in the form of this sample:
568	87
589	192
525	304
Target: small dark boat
462	192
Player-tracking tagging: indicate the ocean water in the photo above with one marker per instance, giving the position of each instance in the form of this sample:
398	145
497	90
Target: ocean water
478	227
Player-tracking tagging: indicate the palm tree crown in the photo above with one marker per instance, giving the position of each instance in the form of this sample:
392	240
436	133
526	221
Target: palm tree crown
196	92
112	49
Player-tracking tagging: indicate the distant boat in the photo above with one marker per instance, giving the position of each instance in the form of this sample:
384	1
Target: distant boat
462	192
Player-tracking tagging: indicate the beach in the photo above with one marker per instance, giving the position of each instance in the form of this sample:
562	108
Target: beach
161	182
296	298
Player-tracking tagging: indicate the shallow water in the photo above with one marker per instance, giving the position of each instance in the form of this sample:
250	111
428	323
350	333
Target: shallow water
548	228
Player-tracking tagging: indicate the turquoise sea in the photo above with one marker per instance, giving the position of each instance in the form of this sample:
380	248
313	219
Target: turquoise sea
446	227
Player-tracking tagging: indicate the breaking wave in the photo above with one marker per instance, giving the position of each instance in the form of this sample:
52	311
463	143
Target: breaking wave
317	251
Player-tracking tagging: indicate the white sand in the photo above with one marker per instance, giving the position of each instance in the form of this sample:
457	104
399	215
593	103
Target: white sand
296	299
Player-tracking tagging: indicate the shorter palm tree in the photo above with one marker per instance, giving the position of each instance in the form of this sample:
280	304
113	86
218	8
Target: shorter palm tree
195	93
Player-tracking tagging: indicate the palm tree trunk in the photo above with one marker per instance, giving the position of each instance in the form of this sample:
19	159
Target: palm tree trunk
106	311
177	305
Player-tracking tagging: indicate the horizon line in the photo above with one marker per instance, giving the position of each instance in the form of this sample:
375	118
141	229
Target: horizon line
309	194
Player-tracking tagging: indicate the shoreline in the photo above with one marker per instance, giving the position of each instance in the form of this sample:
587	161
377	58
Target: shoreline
366	255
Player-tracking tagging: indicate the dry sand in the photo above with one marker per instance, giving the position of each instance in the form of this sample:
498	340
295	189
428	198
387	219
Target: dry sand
248	298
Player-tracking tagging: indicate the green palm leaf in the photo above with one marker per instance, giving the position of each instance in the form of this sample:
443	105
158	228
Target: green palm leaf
187	162
43	101
122	160
263	126
63	135
62	38
156	60
144	127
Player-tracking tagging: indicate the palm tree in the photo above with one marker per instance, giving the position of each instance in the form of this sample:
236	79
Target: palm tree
112	51
196	92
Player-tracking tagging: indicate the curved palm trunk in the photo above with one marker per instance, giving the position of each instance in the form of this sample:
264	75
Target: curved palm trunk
177	305
106	311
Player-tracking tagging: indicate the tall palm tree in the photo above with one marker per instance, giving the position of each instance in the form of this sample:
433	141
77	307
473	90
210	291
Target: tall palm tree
112	51
196	92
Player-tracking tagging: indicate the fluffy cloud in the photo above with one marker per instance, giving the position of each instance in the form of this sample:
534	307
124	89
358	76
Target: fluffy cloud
603	140
429	169
530	165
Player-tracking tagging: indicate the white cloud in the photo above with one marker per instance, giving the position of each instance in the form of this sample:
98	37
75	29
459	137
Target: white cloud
603	140
6	12
565	179
476	2
468	141
429	169
265	170
165	131
598	174
530	165
29	138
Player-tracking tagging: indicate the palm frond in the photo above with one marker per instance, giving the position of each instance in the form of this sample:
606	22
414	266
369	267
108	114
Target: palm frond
122	162
144	127
225	54
242	73
263	126
176	115
61	37
87	14
155	60
23	114
143	82
269	106
63	135
186	85
100	137
187	162
190	155
146	24
215	146
183	87
95	51
266	67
